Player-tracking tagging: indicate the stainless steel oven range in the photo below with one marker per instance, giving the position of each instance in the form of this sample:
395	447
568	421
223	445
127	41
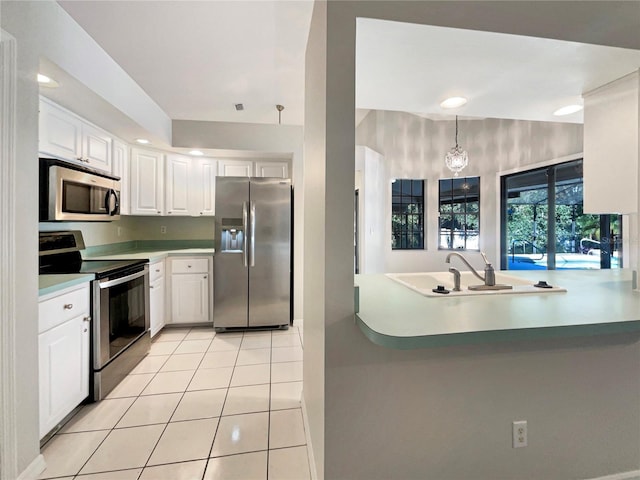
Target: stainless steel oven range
120	335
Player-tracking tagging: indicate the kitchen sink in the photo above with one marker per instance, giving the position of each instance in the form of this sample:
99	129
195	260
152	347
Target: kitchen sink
425	282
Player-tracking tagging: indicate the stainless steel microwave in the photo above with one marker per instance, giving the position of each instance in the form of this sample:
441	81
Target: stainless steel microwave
70	193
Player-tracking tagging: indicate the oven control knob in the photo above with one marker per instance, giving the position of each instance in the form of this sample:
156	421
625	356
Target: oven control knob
68	306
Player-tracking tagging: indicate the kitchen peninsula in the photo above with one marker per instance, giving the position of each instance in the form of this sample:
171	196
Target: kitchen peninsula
438	382
596	302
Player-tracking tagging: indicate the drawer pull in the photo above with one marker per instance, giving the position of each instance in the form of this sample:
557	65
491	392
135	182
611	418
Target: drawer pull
151	286
68	306
157	270
188	266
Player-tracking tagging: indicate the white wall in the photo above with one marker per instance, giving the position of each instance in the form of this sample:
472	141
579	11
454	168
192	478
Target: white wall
362	423
372	183
414	147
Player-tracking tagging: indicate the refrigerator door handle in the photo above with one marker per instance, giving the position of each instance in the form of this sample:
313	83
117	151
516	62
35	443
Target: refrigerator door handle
253	234
244	234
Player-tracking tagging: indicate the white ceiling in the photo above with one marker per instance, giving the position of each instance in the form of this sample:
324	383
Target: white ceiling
412	68
196	59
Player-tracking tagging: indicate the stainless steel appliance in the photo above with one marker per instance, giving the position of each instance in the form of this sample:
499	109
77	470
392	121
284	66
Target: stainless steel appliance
252	264
120	335
70	192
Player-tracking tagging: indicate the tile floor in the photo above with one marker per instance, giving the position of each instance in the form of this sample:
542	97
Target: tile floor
201	406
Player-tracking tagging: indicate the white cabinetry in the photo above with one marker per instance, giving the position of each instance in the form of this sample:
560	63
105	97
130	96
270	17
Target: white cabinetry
146	182
156	297
190	186
272	169
190	289
63	354
65	135
235	168
121	169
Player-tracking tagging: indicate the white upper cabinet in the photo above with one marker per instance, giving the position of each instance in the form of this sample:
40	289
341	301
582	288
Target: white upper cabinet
235	168
177	179
146	182
65	135
612	146
272	169
190	186
121	169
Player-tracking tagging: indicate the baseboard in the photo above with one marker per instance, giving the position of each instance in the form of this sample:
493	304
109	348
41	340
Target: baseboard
307	434
631	475
34	469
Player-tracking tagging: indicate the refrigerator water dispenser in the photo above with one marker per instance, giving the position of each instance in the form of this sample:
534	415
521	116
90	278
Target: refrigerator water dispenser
231	236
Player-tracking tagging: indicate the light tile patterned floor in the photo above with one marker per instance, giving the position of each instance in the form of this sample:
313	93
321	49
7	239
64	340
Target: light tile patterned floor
201	406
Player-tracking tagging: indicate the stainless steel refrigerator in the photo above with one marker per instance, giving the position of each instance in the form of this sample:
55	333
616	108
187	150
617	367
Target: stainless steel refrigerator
252	262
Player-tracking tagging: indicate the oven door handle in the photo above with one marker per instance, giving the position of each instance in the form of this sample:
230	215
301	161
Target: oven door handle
118	281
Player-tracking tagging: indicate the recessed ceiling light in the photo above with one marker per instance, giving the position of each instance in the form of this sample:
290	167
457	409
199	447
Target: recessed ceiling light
197	153
453	102
45	81
568	110
143	141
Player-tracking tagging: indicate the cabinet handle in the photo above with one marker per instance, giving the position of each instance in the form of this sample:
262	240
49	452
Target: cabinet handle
204	277
157	270
68	306
169	212
201	213
86	319
188	266
150	286
159	212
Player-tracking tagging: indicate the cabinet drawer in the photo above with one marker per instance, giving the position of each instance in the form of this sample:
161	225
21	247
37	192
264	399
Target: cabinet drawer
61	308
190	265
156	271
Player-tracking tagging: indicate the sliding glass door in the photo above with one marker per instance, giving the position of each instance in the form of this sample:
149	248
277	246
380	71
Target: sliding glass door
543	225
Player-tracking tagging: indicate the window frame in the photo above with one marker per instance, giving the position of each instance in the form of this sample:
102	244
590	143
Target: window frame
464	208
399	202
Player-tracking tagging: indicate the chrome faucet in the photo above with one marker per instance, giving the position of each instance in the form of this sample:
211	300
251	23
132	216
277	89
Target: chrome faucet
489	278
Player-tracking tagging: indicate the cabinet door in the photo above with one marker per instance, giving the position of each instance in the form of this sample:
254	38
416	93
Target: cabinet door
156	306
190	298
63	370
272	169
147	182
96	147
120	167
203	187
177	183
235	168
60	132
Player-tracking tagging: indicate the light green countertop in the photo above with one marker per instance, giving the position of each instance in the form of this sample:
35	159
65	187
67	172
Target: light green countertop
52	283
152	255
596	302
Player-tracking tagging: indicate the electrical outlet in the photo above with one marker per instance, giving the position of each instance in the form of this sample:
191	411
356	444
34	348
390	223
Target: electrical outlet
163	229
520	434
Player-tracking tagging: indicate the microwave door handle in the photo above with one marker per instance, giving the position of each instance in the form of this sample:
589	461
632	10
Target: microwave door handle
111	194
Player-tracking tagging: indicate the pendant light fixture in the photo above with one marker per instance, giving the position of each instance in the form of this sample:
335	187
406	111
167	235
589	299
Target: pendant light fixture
456	159
279	108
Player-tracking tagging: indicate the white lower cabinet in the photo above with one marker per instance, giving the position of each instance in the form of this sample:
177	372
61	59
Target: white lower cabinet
191	289
63	354
157	311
